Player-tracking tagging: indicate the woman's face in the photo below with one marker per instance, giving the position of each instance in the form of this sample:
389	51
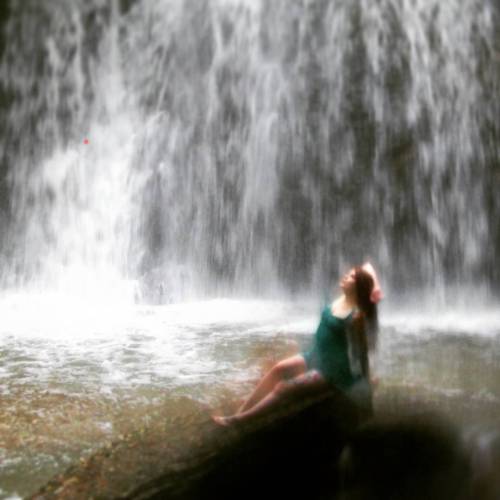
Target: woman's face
348	282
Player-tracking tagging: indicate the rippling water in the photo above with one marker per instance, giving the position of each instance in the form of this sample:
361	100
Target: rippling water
74	376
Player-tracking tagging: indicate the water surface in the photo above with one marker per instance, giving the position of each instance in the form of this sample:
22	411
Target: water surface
74	377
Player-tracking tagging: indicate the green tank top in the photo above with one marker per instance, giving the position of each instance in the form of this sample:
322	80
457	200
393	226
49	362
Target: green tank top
330	351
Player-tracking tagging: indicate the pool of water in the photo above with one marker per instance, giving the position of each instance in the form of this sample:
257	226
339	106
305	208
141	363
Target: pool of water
75	376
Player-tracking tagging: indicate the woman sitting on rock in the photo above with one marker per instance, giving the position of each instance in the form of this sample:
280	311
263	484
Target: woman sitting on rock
339	355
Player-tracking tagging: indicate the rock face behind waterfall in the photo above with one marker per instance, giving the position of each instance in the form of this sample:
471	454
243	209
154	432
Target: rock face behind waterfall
318	448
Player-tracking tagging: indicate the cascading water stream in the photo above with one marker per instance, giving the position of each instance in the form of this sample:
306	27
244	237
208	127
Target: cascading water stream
249	146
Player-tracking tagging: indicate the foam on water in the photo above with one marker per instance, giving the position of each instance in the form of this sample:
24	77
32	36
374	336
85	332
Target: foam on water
50	338
51	315
473	323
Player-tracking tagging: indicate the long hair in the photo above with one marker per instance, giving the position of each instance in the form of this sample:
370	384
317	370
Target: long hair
365	321
364	286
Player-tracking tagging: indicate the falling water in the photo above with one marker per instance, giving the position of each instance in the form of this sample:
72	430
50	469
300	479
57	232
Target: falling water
249	146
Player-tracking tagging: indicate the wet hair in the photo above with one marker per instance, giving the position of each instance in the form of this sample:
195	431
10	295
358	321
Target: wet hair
367	318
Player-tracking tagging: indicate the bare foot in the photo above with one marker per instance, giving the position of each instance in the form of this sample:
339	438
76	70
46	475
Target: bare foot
223	421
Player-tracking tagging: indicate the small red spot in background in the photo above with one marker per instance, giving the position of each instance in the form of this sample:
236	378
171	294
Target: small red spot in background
86	141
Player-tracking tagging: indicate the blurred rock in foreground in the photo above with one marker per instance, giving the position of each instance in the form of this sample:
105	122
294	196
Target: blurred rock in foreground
321	447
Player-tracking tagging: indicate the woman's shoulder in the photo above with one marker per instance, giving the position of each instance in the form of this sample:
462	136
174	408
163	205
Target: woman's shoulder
327	311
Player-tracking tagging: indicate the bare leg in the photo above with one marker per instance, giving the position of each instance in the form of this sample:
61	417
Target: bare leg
286	369
303	383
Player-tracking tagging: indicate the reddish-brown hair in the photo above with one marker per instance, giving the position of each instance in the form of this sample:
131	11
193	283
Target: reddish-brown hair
365	322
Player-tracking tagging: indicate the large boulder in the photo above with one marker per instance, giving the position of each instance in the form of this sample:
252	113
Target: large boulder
291	452
316	446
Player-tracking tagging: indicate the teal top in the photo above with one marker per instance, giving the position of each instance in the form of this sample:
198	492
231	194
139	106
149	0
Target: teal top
330	351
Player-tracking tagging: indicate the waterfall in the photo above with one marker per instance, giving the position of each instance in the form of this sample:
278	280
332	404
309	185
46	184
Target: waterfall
248	146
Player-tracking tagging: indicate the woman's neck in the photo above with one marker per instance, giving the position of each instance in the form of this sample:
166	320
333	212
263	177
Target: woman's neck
344	303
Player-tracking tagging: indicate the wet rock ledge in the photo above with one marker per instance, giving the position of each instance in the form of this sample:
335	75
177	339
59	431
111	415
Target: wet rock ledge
319	447
293	451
